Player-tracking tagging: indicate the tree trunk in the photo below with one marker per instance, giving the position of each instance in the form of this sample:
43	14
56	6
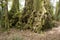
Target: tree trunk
27	12
15	6
14	10
35	15
5	13
58	11
0	12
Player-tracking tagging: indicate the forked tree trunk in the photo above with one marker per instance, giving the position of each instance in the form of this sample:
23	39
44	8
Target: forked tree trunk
34	15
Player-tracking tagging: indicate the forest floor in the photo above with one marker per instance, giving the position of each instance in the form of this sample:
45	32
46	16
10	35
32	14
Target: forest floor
15	34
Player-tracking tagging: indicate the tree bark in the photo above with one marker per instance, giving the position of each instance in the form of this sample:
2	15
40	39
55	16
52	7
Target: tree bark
35	15
5	13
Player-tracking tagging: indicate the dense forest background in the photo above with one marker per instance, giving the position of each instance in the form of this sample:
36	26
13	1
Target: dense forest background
34	15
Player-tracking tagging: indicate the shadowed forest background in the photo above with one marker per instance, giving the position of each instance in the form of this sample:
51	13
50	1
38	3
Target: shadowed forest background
34	15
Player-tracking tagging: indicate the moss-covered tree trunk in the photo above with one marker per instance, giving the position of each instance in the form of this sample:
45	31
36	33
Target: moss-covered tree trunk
48	15
38	15
5	14
15	6
26	13
14	10
35	15
58	11
0	12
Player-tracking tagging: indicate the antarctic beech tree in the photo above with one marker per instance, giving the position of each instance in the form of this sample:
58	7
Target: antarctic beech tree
35	15
5	14
58	11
